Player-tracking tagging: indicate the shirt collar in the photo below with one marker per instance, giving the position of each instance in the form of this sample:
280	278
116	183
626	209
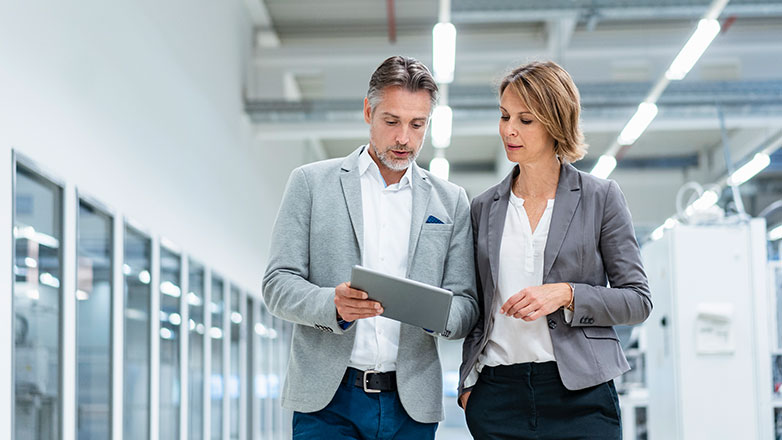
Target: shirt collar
365	162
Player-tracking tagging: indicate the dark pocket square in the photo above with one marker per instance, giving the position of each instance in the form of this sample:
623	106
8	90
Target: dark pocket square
433	219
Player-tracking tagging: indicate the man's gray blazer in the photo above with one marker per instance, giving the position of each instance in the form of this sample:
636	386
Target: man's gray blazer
317	239
590	242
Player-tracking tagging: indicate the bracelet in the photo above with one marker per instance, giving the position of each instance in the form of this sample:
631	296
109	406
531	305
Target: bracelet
572	296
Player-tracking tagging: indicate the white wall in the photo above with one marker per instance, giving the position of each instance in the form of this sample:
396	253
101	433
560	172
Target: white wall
140	105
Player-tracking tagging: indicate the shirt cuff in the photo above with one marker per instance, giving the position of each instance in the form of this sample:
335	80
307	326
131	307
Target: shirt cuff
568	316
471	378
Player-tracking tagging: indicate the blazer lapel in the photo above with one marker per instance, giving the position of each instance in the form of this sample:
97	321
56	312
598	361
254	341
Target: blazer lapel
565	203
496	225
351	189
421	193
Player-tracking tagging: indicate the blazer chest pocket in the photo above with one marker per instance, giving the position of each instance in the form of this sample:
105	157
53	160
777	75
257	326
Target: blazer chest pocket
600	333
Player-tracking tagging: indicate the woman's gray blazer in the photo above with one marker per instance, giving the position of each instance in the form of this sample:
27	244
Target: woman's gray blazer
591	243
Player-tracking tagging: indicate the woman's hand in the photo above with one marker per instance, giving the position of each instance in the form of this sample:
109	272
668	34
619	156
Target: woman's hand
463	399
536	301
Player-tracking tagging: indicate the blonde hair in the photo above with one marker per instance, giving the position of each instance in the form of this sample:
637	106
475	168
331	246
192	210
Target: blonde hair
552	97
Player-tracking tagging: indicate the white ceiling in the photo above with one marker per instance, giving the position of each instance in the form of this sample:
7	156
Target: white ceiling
308	80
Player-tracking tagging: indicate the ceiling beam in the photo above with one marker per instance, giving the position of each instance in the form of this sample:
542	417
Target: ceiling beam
500	11
559	33
265	35
487	126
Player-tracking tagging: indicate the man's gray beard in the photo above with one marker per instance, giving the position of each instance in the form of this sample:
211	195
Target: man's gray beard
395	164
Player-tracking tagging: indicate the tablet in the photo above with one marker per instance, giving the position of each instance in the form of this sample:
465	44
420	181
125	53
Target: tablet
405	300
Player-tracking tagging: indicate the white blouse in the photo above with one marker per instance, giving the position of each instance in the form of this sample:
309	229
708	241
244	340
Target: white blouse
513	340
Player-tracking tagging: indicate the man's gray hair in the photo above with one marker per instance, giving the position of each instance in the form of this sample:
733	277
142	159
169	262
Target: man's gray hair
405	72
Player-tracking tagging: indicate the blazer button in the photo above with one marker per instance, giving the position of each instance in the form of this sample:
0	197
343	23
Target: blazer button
552	324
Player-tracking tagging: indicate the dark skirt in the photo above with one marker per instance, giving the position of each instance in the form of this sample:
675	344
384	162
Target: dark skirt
529	401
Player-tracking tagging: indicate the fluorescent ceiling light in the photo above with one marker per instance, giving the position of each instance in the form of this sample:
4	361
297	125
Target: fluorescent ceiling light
638	123
705	201
170	289
775	233
49	279
442	122
706	31
604	166
443	52
166	333
439	167
749	169
658	233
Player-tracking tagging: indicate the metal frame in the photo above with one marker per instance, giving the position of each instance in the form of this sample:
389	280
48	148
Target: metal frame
207	353
154	335
243	365
226	325
118	329
184	346
250	406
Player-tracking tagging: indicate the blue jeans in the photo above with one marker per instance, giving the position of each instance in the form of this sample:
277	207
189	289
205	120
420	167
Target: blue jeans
354	414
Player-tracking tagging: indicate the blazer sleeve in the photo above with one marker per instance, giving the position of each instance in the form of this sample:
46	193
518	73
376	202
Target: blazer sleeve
459	273
286	291
627	301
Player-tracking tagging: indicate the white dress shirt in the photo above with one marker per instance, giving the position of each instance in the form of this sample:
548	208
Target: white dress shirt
387	212
513	340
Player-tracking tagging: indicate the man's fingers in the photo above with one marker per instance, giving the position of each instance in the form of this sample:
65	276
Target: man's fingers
352	313
357	303
362	306
344	290
353	317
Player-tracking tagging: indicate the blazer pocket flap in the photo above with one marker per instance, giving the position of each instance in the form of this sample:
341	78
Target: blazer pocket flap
442	227
600	333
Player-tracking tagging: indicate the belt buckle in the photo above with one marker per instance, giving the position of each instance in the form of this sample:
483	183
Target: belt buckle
369	390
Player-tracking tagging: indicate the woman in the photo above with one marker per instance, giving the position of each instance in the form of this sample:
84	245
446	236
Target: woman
541	361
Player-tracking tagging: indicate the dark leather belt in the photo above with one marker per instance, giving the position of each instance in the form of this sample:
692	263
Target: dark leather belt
371	381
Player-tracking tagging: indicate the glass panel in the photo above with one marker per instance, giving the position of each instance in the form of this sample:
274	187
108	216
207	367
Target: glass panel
37	275
197	330
235	382
776	372
93	324
778	423
170	320
216	336
138	296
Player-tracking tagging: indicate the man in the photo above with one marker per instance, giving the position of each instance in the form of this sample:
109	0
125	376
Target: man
352	373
